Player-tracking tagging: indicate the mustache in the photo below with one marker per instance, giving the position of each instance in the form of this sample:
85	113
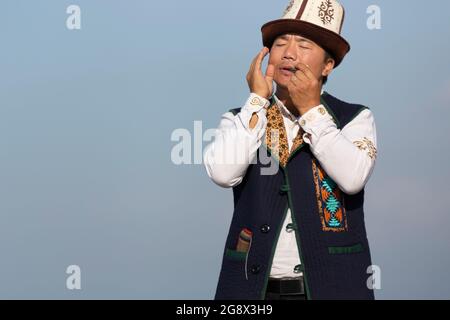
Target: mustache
292	69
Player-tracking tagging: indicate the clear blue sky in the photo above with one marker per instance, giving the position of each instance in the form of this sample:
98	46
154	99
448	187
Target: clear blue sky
85	124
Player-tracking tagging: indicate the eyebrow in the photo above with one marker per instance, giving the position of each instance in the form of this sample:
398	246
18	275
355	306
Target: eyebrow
299	39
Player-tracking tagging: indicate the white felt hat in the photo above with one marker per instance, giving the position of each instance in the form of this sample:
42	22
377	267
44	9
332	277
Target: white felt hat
318	20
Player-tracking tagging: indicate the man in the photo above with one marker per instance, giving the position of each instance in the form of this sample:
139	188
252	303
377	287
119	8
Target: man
298	232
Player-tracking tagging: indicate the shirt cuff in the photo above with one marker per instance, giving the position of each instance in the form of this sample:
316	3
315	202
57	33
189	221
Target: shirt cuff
255	103
315	121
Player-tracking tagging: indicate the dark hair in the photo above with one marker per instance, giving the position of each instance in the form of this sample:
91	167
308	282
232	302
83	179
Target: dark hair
325	59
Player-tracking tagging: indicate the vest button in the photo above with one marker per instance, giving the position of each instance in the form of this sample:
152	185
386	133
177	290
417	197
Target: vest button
290	227
298	268
265	228
255	269
284	189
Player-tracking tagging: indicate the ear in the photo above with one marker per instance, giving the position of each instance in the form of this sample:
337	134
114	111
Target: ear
328	68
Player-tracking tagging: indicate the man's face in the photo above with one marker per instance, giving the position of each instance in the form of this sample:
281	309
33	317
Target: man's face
289	49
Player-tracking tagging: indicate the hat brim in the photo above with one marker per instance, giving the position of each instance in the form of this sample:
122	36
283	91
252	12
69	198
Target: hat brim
337	46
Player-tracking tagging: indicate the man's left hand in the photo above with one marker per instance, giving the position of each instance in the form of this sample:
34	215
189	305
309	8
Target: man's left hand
304	89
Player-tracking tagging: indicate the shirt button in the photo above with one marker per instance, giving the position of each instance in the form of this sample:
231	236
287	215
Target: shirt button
265	228
302	123
322	111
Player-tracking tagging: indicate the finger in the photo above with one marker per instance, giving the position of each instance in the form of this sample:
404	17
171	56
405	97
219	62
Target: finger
301	76
255	61
253	64
297	78
270	72
260	59
293	79
305	69
291	86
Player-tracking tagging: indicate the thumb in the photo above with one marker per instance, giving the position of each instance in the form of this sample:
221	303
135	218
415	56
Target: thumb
269	72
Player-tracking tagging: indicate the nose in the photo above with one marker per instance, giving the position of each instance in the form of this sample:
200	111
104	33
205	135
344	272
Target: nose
290	53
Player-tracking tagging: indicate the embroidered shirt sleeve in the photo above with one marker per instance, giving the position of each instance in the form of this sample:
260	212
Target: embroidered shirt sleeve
255	105
235	145
366	144
347	155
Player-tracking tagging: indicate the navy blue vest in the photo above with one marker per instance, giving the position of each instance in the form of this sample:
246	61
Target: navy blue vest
329	225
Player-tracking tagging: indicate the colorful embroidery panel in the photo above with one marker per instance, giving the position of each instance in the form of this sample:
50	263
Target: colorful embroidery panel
276	136
330	201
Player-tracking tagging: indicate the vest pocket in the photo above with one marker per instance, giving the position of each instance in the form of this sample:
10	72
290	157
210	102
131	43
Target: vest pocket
235	255
346	249
240	251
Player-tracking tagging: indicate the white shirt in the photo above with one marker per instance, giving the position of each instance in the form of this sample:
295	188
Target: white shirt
348	156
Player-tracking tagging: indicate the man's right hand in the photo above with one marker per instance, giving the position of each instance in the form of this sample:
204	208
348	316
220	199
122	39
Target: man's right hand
257	82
